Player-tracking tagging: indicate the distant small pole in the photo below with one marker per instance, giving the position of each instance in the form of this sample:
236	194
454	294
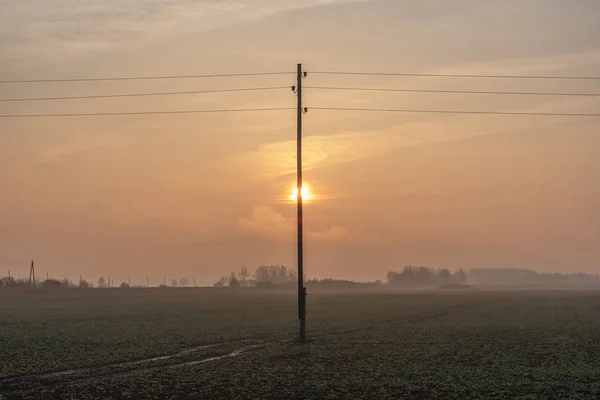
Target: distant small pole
80	280
146	281
109	281
129	280
195	283
9	275
164	280
32	275
47	276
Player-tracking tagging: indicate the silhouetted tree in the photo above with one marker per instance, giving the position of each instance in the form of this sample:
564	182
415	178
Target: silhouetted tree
183	282
460	276
243	275
221	282
233	280
174	283
445	276
101	282
84	284
52	283
262	274
124	285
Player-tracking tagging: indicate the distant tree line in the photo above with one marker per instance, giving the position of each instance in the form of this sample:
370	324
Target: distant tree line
263	276
415	276
47	283
513	276
280	276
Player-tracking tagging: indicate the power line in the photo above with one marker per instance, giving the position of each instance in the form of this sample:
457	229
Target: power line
143	94
452	91
454	112
291	108
144	113
131	78
457	75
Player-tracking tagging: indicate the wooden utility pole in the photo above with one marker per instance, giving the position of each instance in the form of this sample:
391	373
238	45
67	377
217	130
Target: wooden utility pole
129	281
9	276
301	289
32	275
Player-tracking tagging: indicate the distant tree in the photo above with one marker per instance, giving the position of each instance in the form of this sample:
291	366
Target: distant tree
445	276
66	283
460	276
174	283
392	277
262	274
101	282
8	282
221	282
233	280
124	285
243	275
52	283
84	284
183	282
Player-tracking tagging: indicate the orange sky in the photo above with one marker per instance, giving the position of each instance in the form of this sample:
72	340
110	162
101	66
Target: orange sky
200	195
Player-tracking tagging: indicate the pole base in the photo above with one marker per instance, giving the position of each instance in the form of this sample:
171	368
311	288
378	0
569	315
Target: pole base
302	330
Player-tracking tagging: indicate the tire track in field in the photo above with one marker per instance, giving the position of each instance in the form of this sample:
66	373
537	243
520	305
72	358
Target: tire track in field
180	359
430	315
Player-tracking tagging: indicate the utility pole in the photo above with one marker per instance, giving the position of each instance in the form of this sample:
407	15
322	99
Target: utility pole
129	281
32	275
109	281
301	289
146	281
47	276
9	276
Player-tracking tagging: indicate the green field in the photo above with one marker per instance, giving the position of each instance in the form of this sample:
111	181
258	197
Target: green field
223	344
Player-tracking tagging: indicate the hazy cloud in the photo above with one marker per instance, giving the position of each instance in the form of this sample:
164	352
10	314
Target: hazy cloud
63	28
276	159
269	223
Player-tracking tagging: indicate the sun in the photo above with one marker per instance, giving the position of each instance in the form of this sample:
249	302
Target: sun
306	194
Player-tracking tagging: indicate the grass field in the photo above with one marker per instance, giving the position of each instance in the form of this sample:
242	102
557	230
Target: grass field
219	344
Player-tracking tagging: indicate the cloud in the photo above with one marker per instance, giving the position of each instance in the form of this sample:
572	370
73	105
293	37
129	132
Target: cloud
334	233
267	222
276	159
68	27
536	65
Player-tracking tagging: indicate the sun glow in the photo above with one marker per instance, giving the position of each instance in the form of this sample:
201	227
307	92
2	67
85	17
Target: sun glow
306	194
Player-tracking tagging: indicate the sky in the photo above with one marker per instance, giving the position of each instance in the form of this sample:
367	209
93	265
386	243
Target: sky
200	195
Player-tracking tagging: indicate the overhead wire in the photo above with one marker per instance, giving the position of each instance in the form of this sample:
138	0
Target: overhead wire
339	88
540	114
452	91
146	113
106	96
156	77
558	77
